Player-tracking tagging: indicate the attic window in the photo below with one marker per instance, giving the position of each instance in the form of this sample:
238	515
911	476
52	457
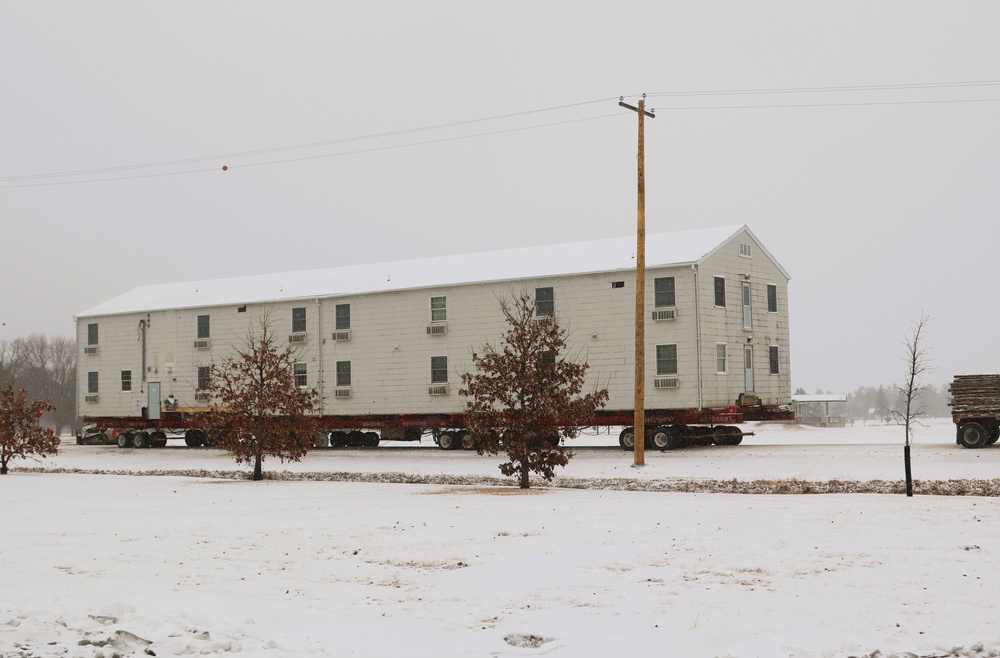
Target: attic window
617	284
745	251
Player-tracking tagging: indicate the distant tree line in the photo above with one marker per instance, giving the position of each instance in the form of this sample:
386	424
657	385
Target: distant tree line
45	367
879	403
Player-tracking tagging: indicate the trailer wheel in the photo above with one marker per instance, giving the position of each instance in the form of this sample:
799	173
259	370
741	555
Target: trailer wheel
338	439
661	439
627	438
141	440
447	441
994	435
973	435
371	440
466	441
158	439
125	440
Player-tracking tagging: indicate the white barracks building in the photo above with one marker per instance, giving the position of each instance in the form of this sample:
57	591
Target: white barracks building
394	338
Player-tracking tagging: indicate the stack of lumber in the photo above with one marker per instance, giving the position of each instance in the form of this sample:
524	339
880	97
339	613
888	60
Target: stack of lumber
975	394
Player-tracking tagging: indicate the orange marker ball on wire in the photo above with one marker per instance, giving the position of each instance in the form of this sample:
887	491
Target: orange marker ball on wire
225	167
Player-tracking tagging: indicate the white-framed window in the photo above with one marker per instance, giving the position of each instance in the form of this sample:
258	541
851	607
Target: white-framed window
666	359
772	298
772	358
439	370
126	380
342	317
545	302
301	375
439	309
343	373
721	353
299	320
92	381
746	251
204	373
747	309
92	334
664	293
720	291
204	326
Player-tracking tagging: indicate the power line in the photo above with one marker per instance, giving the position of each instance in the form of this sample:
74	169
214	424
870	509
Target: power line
278	149
805	90
855	104
313	157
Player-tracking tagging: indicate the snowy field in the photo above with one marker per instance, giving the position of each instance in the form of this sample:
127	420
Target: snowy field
118	565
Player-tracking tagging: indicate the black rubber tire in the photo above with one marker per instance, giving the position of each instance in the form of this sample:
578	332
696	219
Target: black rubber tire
356	438
158	439
626	439
447	441
973	435
125	440
994	435
661	438
338	439
141	440
465	441
371	439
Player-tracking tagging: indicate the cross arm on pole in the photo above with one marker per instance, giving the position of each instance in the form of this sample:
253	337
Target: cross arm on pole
649	113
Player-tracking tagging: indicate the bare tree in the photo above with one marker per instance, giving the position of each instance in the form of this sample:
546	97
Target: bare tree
525	395
258	410
20	433
917	365
46	368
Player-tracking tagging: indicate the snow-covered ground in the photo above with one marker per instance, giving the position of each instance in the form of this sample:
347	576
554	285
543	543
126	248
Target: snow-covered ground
102	565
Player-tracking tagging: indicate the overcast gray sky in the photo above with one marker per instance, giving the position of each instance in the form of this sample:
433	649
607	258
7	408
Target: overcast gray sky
880	204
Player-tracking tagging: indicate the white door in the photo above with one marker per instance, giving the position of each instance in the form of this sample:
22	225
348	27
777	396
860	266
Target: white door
154	400
747	310
748	368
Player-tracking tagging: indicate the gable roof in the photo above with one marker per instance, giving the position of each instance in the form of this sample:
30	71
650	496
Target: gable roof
608	255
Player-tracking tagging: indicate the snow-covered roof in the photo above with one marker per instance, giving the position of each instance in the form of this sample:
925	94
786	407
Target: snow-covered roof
608	255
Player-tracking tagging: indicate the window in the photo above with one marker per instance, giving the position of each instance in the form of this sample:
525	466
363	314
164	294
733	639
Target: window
666	359
745	250
203	326
720	291
772	298
126	380
663	291
617	284
545	302
92	380
301	375
720	358
439	370
342	317
92	334
747	310
299	320
204	373
343	373
772	354
439	309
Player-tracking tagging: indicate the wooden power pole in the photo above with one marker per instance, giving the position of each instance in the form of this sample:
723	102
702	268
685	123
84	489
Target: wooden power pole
639	432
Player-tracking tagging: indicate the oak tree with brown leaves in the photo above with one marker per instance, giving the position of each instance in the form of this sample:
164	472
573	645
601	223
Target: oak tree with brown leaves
525	395
20	433
257	410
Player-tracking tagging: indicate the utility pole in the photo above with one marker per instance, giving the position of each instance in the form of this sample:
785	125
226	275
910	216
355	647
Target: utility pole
639	424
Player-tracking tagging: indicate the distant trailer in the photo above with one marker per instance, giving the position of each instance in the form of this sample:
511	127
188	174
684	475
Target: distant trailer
975	409
384	345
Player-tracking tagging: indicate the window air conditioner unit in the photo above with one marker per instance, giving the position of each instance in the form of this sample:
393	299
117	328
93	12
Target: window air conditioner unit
90	349
342	393
93	397
342	335
665	314
202	344
665	382
437	329
201	396
438	389
297	338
